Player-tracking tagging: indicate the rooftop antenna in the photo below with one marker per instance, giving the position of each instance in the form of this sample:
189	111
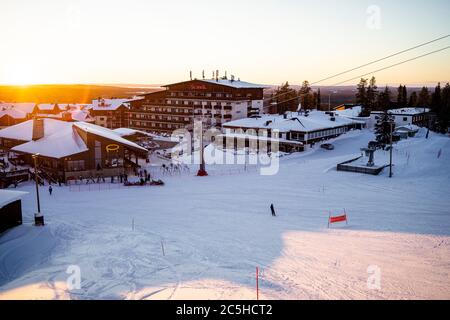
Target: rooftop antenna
217	75
203	74
232	78
225	75
190	74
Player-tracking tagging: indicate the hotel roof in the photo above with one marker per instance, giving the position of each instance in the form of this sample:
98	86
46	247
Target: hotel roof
316	120
238	84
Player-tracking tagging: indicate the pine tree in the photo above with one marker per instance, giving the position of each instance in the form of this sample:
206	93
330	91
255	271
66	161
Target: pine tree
402	96
306	96
436	99
384	100
384	127
412	100
424	98
371	94
405	96
285	99
361	94
443	112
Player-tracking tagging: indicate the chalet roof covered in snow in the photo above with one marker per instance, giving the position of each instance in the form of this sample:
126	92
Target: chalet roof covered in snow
316	120
60	139
106	133
26	107
108	104
24	131
13	113
7	196
60	143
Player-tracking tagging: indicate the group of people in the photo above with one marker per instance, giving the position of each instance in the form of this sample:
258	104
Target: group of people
174	168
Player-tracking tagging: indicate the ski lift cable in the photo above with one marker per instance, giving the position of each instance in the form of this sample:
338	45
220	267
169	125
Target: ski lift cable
378	70
369	63
395	64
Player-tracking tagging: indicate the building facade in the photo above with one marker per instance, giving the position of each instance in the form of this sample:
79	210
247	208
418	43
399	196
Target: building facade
421	117
110	113
215	101
293	131
69	150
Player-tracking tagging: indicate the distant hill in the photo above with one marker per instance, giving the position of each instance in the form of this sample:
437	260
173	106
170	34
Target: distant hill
67	93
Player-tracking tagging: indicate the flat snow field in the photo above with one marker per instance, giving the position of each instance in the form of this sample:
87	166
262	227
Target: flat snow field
216	230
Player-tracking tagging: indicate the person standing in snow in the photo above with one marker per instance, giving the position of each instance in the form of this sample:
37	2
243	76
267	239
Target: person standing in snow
273	210
50	189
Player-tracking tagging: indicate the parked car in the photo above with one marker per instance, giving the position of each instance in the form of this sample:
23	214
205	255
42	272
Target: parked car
327	146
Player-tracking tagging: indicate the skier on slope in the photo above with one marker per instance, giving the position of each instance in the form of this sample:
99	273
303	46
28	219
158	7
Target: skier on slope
50	190
273	210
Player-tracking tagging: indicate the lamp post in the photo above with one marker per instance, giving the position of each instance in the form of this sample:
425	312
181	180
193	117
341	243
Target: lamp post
202	170
329	99
390	150
38	217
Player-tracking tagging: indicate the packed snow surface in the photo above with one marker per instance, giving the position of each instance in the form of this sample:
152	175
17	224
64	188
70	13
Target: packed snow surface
203	237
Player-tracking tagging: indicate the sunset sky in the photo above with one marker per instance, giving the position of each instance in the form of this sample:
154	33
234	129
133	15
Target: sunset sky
265	41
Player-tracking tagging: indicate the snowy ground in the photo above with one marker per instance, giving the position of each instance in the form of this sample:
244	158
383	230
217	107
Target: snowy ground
215	230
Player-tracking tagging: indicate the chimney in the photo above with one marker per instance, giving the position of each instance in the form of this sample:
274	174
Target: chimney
38	129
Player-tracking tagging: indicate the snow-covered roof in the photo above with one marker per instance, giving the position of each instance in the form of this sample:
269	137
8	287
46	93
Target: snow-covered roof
13	113
405	111
316	120
26	107
124	132
81	115
236	83
60	143
409	111
408	128
24	131
352	112
229	83
49	106
7	196
106	133
108	104
60	137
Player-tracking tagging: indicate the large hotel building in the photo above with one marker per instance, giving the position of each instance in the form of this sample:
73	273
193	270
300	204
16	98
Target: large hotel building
215	101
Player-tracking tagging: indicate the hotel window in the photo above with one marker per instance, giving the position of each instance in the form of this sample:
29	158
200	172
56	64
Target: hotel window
75	165
405	119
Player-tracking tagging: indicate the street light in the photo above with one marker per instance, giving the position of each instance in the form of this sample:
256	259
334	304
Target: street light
38	217
390	152
329	99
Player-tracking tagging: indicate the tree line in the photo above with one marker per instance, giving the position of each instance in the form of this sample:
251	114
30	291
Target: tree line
286	98
372	99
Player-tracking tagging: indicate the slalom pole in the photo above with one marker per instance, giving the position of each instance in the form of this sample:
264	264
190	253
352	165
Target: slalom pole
162	248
